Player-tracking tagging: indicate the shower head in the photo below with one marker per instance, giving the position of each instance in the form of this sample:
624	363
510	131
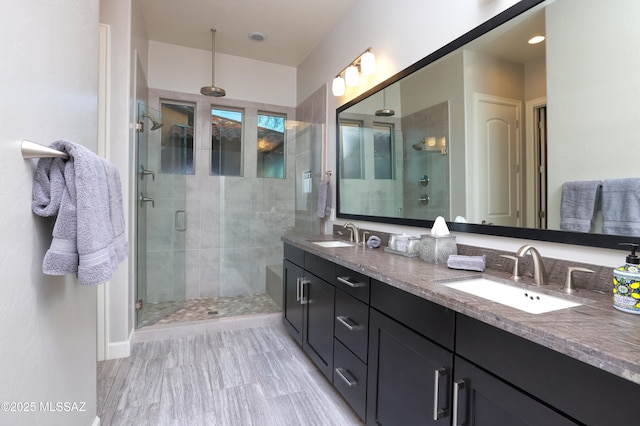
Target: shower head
418	146
156	124
385	112
217	92
212	90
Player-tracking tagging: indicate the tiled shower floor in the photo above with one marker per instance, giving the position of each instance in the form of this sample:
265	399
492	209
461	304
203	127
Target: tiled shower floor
208	308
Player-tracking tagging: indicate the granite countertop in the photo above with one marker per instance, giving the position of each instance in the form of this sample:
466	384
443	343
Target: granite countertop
594	332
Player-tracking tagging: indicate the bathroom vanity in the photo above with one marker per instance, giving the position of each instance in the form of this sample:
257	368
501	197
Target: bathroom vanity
402	348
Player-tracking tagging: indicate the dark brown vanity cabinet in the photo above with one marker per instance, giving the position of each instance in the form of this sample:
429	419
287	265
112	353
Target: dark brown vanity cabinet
399	359
532	375
481	399
308	305
410	374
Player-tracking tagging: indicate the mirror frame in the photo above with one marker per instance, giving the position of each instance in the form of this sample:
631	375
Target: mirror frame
566	237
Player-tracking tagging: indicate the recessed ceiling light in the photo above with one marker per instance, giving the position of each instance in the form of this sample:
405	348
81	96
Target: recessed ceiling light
537	39
257	36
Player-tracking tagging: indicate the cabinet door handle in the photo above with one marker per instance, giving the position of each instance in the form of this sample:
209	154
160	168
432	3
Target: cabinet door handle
438	413
343	320
458	385
298	289
303	300
347	281
342	374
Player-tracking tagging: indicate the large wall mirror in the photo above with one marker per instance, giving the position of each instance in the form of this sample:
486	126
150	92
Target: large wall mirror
487	130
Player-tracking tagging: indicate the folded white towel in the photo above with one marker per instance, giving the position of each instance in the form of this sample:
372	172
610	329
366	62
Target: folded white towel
468	263
86	194
621	207
579	204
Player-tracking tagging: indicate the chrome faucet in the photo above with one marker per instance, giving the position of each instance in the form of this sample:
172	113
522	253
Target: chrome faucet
539	273
355	233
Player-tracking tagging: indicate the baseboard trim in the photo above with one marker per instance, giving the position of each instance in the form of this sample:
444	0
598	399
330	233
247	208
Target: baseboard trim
120	349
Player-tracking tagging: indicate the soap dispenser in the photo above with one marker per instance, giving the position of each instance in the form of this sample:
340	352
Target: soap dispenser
626	283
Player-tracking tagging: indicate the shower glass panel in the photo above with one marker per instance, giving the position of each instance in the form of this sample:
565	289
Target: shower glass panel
160	218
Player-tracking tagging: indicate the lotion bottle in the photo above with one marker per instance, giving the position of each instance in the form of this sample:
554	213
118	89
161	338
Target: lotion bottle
626	283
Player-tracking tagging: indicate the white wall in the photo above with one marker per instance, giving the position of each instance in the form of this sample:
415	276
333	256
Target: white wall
47	324
118	15
400	36
186	70
580	84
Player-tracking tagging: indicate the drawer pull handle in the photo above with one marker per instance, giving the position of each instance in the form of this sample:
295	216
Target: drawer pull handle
344	321
342	374
298	289
438	413
352	284
458	385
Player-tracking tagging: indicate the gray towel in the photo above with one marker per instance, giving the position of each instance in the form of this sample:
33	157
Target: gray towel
621	207
86	195
324	199
579	204
468	263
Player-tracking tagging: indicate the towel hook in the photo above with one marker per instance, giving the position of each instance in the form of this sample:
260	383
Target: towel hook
35	150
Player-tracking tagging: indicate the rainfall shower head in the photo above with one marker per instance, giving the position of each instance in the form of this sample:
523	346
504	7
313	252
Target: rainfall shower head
384	112
156	123
212	90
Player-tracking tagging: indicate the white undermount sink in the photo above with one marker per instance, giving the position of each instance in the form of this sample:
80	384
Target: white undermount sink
336	243
520	298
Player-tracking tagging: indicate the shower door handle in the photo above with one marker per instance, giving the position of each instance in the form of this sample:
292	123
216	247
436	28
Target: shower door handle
144	199
181	220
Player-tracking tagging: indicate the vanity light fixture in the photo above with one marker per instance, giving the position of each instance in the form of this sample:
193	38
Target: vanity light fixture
365	63
537	39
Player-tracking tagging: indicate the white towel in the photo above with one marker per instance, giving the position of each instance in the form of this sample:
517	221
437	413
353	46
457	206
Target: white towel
621	207
468	263
579	204
86	194
324	199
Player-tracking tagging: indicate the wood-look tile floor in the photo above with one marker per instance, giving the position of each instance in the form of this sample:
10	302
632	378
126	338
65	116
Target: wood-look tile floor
252	376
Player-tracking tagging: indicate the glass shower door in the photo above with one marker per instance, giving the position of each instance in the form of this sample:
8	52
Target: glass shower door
161	224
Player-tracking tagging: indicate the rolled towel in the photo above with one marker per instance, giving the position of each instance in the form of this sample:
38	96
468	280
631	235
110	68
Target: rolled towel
468	263
373	242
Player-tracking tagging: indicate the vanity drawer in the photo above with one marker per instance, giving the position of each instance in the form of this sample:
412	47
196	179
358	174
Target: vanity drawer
294	254
427	318
352	324
352	282
350	378
320	267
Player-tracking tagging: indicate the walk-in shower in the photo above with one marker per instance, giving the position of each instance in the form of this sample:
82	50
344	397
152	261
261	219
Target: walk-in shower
209	244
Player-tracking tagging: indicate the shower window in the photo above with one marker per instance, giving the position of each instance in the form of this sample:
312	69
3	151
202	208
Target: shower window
351	163
176	145
271	145
226	142
383	150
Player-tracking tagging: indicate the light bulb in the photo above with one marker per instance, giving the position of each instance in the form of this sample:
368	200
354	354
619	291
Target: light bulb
368	63
337	87
351	76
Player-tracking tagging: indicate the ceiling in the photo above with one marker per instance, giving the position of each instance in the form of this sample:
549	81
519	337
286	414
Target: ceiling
293	27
